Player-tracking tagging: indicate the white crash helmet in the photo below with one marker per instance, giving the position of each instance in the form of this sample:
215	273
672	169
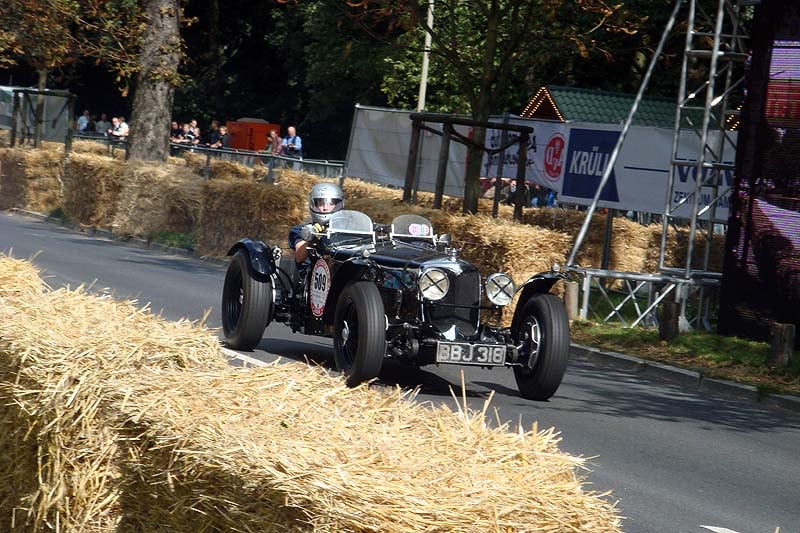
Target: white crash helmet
324	200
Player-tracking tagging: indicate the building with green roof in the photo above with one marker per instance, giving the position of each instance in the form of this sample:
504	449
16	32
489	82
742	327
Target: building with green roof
572	104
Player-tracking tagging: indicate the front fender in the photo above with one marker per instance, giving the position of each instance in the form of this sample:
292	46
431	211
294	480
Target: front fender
261	260
351	270
538	283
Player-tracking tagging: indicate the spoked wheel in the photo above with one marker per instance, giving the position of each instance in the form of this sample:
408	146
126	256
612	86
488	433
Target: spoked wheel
543	331
359	342
246	305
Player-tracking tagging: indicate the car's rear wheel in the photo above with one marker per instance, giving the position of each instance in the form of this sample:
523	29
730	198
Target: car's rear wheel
543	331
359	341
246	305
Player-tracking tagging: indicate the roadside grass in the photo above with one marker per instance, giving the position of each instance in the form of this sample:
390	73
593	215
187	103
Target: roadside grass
716	356
174	239
58	213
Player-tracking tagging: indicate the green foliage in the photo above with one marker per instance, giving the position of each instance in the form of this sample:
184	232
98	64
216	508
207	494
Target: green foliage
187	241
716	355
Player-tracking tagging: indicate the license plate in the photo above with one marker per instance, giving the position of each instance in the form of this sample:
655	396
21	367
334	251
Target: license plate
470	354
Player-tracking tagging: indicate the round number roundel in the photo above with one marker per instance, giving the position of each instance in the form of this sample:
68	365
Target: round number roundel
320	286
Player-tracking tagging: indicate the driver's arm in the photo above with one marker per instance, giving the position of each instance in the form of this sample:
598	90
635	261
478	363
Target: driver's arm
300	251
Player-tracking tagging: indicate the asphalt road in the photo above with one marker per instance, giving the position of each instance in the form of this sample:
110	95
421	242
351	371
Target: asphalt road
676	460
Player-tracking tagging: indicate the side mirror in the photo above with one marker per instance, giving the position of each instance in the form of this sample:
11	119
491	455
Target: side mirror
444	240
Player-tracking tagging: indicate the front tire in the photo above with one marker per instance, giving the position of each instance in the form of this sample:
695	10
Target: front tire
359	341
543	328
246	305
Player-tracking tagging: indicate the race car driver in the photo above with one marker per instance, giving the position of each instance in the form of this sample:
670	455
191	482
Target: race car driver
323	200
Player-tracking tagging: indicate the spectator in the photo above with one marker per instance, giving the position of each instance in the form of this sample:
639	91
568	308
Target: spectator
274	146
292	144
213	135
175	132
538	196
187	135
119	129
83	121
224	140
102	125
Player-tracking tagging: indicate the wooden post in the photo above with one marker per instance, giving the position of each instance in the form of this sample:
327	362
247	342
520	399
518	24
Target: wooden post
571	299
70	132
411	166
498	182
782	349
441	171
14	119
522	163
668	325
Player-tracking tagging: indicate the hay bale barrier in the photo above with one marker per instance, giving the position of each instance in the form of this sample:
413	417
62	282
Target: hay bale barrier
117	420
92	185
158	197
31	179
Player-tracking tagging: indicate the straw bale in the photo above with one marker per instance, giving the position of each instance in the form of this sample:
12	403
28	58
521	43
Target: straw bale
31	178
123	421
92	184
98	147
13	191
234	209
158	197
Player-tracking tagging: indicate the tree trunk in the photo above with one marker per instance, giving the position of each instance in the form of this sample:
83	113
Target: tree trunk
155	83
472	185
37	135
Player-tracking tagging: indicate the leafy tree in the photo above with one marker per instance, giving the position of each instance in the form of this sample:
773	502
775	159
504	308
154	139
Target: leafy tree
32	32
490	45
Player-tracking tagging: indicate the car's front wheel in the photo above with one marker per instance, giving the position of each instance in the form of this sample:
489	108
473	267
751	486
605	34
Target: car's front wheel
543	331
359	341
246	305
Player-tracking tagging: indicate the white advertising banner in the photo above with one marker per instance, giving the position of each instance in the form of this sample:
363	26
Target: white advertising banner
567	157
378	151
570	158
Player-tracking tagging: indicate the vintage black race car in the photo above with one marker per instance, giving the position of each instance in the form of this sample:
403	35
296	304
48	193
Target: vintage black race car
396	291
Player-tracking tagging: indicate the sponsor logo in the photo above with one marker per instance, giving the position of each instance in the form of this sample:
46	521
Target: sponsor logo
587	158
554	157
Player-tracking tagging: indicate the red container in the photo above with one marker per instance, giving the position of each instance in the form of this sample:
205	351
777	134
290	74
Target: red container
250	133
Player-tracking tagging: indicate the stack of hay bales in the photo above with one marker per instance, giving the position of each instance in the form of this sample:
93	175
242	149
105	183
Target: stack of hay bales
92	184
114	419
31	179
234	209
158	197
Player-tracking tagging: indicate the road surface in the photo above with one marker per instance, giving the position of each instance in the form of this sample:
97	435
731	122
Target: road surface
676	460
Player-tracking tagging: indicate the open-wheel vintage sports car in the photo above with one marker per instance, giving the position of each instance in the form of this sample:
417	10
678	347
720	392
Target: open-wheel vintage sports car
396	291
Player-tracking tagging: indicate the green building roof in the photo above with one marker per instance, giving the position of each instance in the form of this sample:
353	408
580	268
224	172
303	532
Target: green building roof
590	105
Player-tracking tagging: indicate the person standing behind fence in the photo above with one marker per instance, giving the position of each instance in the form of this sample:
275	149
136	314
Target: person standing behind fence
102	125
293	146
119	129
224	140
274	143
83	121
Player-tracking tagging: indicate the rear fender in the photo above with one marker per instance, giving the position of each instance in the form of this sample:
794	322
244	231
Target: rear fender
536	284
261	263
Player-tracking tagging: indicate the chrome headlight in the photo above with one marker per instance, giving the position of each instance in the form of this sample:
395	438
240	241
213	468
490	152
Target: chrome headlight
434	284
499	289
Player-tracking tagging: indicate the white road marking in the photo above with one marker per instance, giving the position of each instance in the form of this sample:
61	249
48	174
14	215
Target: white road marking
246	359
716	529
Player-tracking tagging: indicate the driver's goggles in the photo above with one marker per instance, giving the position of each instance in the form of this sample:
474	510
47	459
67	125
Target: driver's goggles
326	204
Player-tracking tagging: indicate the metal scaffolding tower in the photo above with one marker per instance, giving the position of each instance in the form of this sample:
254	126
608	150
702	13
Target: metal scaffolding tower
703	149
711	72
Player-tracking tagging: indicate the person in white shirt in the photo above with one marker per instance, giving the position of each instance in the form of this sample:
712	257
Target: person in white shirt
102	125
83	121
